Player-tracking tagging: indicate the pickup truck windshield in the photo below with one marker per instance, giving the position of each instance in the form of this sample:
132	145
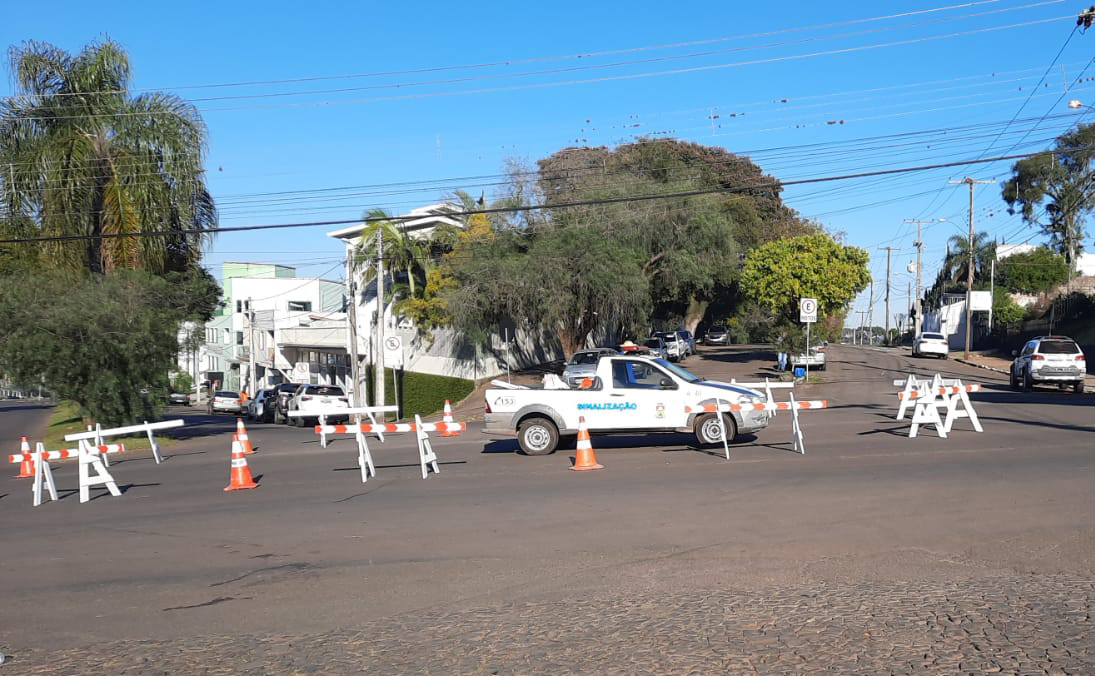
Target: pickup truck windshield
686	376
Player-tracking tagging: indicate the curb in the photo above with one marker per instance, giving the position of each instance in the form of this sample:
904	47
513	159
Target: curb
980	366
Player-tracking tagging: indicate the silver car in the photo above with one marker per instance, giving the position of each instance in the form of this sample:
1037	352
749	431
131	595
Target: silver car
584	365
716	335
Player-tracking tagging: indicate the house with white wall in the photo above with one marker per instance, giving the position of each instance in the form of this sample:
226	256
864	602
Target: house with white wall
275	327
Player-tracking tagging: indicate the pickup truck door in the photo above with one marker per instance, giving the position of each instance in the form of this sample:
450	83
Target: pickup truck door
640	396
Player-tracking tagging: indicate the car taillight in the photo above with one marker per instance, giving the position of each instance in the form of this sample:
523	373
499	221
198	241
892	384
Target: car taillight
1037	357
305	397
1080	357
487	402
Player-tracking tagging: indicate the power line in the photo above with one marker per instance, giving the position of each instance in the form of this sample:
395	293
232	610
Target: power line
576	203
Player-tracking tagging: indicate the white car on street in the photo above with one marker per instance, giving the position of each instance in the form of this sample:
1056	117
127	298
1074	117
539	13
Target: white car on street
931	343
314	399
1049	360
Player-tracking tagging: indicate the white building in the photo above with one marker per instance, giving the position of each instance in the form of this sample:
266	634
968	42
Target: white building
442	352
274	327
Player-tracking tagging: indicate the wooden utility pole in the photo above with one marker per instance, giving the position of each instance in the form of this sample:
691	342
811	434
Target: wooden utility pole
969	272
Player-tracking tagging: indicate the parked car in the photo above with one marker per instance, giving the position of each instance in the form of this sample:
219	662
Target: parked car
1050	360
716	335
181	398
280	399
261	406
815	360
313	398
674	346
655	346
225	401
689	341
583	364
930	343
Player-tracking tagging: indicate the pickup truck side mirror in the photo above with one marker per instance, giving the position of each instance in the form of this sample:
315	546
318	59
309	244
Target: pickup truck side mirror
1015	353
667	384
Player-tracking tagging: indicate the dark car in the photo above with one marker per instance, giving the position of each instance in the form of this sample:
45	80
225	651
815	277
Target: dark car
280	396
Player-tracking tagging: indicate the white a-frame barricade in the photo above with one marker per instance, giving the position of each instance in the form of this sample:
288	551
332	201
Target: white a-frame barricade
926	412
98	434
797	439
364	457
91	460
426	456
959	406
42	474
908	395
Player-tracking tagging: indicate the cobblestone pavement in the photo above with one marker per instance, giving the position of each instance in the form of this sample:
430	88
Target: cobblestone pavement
1011	625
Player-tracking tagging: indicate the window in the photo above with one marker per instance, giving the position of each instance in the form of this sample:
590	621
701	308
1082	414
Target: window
636	375
239	337
239	306
300	306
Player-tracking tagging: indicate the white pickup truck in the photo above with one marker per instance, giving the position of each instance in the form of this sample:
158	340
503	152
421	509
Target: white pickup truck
628	394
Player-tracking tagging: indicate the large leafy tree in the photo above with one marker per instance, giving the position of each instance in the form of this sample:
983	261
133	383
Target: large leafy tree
80	157
1033	271
777	274
1055	190
103	341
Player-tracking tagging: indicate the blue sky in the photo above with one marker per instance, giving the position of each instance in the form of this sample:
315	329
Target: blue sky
321	111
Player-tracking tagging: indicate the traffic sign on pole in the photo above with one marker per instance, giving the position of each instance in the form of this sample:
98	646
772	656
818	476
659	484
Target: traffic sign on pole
807	310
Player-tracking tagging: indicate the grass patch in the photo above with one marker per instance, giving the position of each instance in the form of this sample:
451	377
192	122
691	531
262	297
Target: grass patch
422	393
66	419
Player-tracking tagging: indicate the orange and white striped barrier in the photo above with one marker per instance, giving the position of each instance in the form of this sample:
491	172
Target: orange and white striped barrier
97	433
773	406
391	427
66	453
949	389
322	414
798	440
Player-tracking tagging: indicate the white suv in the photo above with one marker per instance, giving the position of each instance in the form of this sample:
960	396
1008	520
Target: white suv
1052	360
311	399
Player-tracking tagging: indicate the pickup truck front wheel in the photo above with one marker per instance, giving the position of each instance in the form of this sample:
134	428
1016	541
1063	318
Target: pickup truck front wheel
538	436
708	432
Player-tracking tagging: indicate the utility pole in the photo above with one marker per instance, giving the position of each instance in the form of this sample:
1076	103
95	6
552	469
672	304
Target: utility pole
870	315
351	293
251	347
889	251
378	392
969	272
919	245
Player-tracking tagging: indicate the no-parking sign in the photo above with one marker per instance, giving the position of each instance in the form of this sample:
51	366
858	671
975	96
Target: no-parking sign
807	310
393	352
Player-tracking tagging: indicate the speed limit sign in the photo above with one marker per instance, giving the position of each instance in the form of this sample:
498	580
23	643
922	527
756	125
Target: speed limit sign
807	310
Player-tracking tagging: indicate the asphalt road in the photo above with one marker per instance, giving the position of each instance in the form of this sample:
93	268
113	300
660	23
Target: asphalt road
872	553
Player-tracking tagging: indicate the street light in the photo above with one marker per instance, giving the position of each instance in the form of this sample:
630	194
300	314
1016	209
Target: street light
1074	104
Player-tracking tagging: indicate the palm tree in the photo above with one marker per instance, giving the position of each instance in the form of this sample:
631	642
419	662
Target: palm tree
956	263
83	159
400	250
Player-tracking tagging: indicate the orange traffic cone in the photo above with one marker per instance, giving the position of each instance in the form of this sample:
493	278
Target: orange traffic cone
26	467
447	417
240	477
585	459
241	433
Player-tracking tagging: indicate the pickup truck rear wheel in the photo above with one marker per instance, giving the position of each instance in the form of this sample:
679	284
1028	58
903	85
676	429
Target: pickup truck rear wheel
538	436
708	432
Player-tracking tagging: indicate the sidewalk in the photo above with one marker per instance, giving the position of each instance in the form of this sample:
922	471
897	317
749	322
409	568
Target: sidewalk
993	362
